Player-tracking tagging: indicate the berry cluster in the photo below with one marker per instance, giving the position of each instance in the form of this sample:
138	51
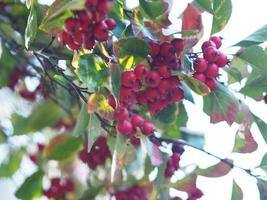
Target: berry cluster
97	155
206	69
59	188
132	193
166	53
88	26
173	161
35	156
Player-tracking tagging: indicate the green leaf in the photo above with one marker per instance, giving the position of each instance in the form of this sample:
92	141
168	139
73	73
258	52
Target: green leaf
218	170
153	9
256	57
237	193
205	4
133	47
66	149
58	12
92	71
82	121
167	115
194	85
237	70
255	38
94	130
11	164
31	28
264	160
244	142
221	105
262	185
44	115
162	193
222	12
32	187
7	64
116	12
262	126
115	72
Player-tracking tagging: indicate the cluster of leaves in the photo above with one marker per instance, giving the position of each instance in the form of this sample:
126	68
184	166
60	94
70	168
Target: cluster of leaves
25	32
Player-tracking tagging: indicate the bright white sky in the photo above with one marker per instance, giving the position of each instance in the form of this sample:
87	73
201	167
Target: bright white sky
247	17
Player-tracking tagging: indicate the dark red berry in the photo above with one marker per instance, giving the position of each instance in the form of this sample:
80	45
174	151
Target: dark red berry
222	60
217	40
200	65
121	114
153	79
174	81
101	31
111	23
154	49
147	128
125	127
128	79
211	54
164	71
141	97
178	45
165	86
141	72
103	6
72	25
137	120
177	94
212	71
211	83
112	101
166	49
207	44
91	3
200	76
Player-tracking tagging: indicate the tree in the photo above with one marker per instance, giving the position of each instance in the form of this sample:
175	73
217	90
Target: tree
111	82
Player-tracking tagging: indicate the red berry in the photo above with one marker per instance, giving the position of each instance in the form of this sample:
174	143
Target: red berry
147	128
141	72
152	94
200	76
212	71
128	79
112	101
101	31
197	193
211	83
137	120
125	127
164	71
217	40
166	49
63	37
85	17
178	45
211	54
103	6
207	44
91	3
154	49
174	81
30	96
89	43
153	79
121	114
111	23
137	86
141	98
72	25
177	94
200	65
164	86
78	38
265	99
222	60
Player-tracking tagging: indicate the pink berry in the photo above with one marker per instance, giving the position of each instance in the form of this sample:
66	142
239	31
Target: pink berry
154	49
121	114
125	127
211	54
111	23
166	49
212	71
147	128
200	65
222	60
178	45
153	79
128	79
141	71
200	76
137	120
211	83
207	44
217	40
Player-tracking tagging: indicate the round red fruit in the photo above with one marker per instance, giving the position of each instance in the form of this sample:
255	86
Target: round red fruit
125	127
200	76
167	49
164	71
141	97
212	71
222	60
177	94
211	54
217	40
211	83
152	94
153	79
207	44
200	65
154	49
137	120
141	72
128	79
103	6
91	3
111	23
112	101
174	81
121	114
178	45
72	25
101	31
165	86
147	128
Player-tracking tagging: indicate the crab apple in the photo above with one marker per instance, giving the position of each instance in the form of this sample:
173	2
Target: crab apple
137	120
147	128
177	94
217	40
222	60
164	86
153	79
125	127
211	54
112	101
111	23
200	65
167	49
200	76
178	45
152	94
164	71
154	49
212	71
85	17
121	114
211	83
127	94
128	79
72	25
141	97
141	71
207	44
101	31
78	38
